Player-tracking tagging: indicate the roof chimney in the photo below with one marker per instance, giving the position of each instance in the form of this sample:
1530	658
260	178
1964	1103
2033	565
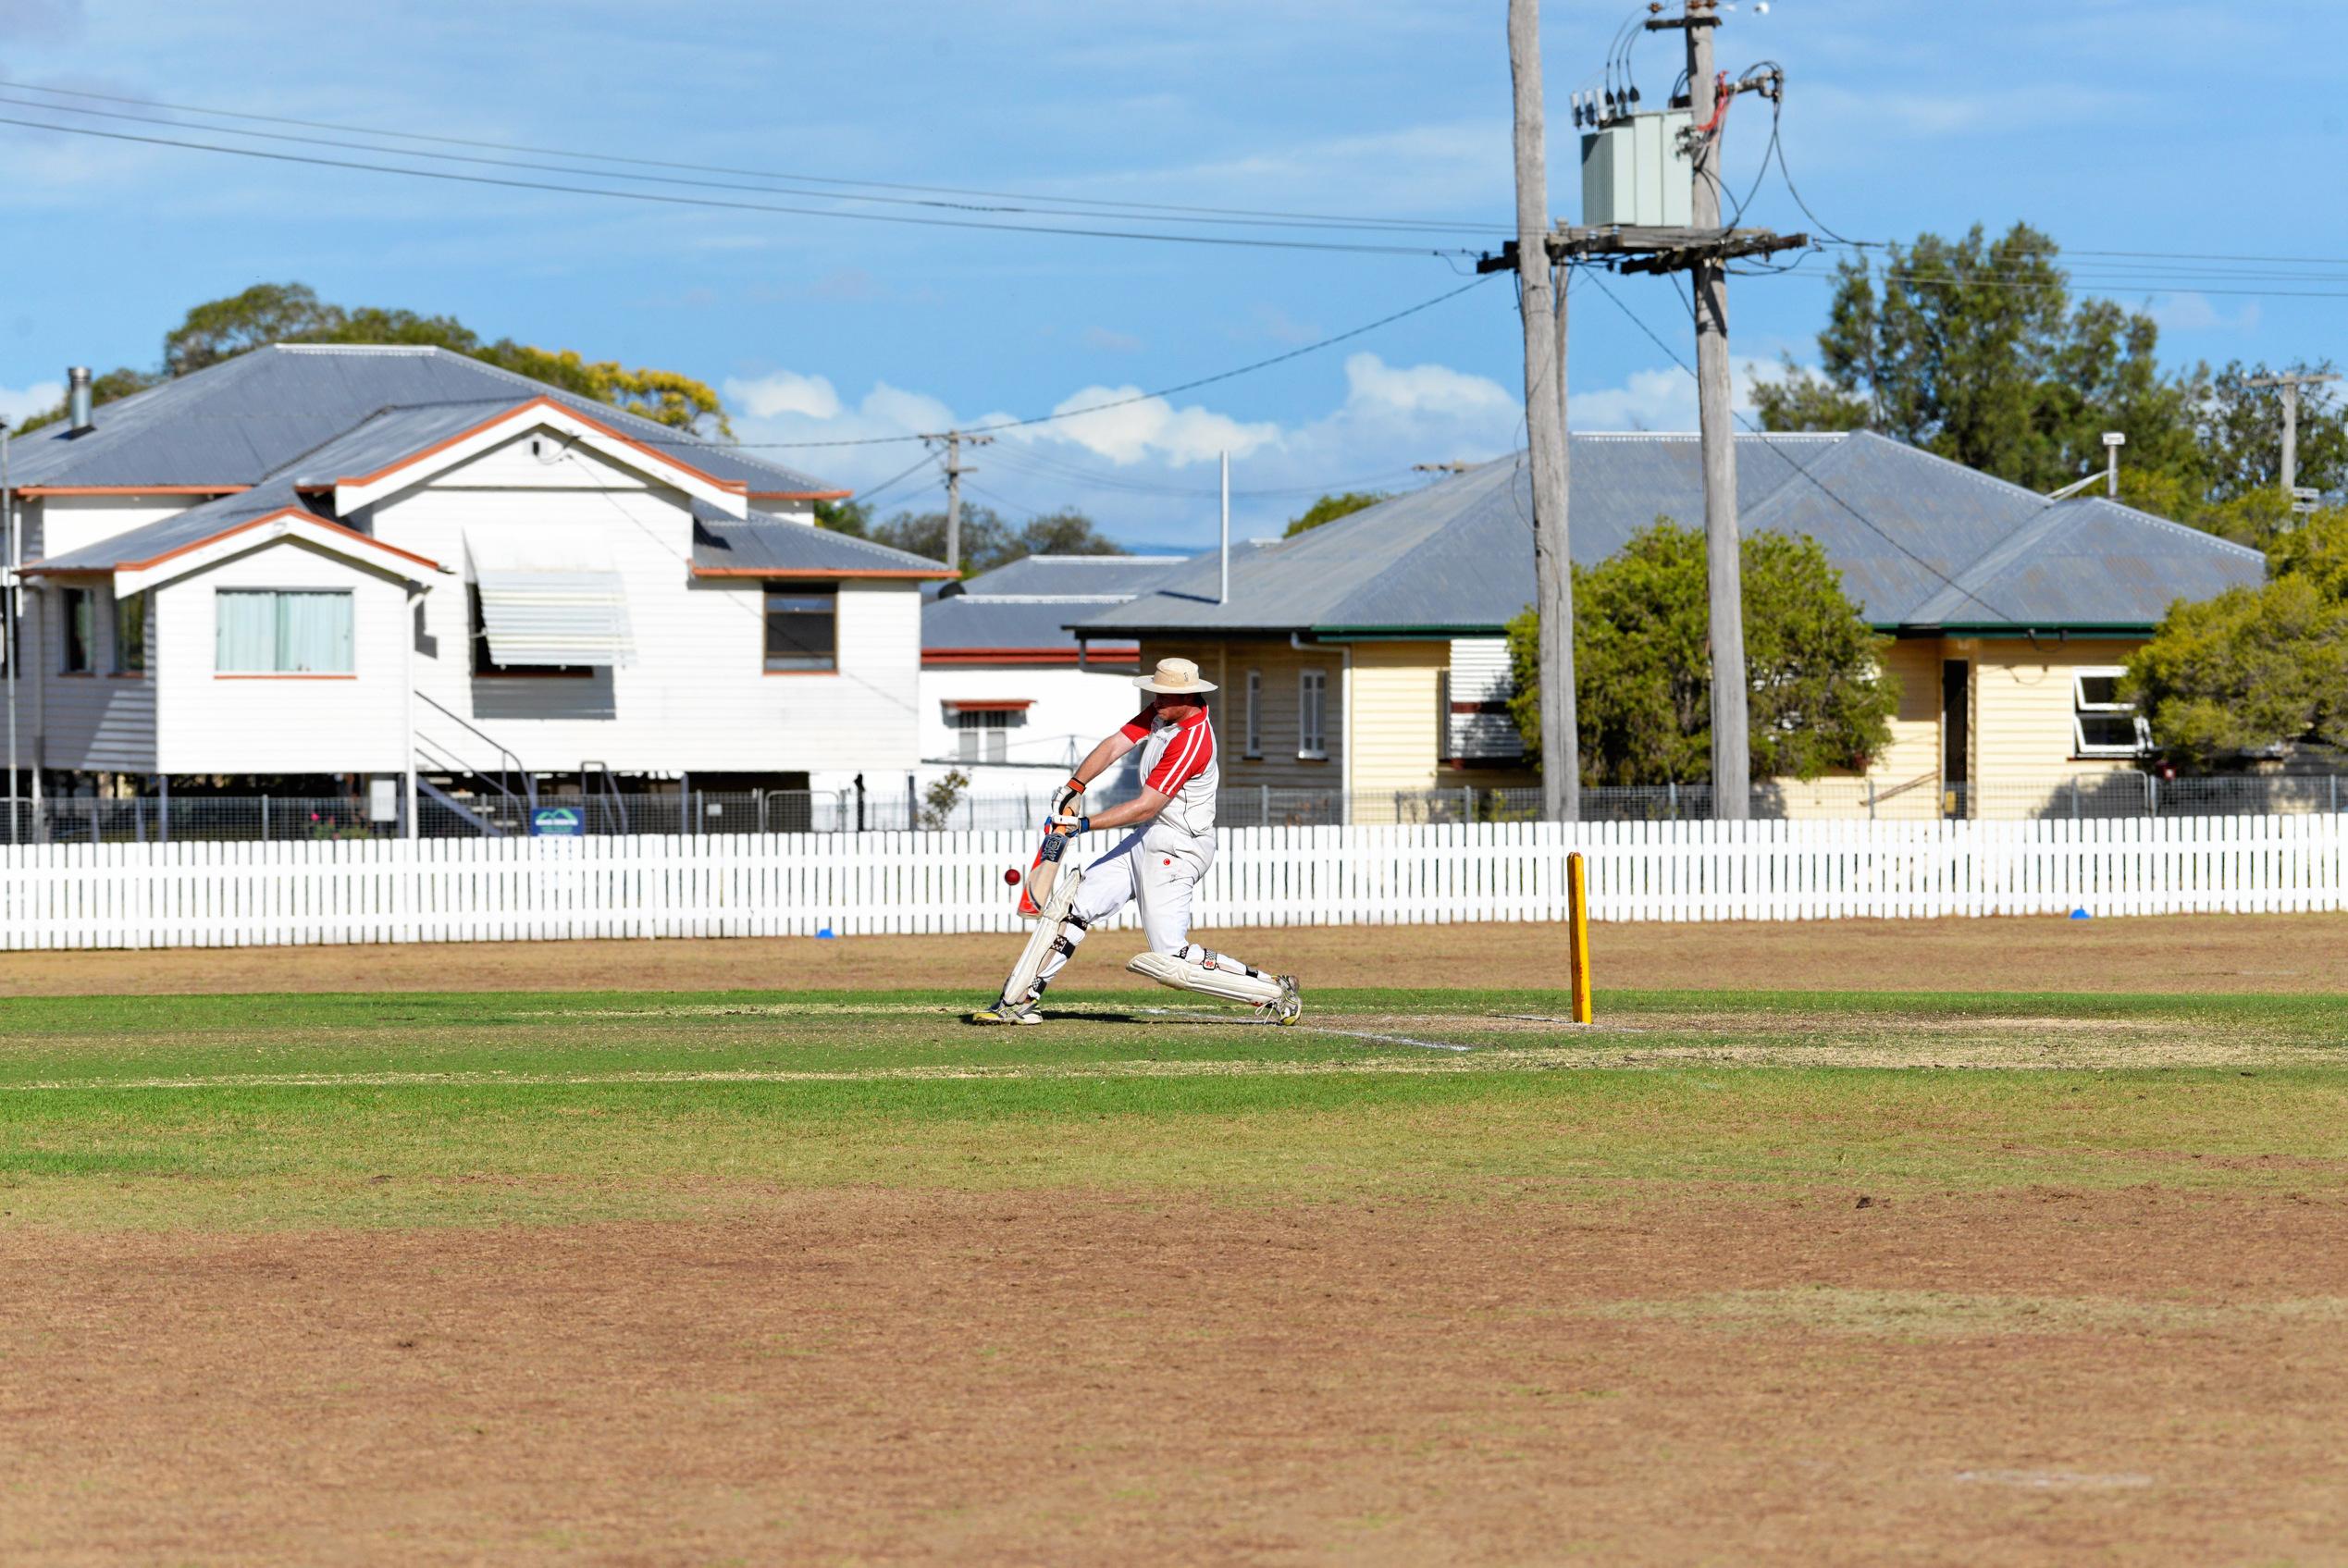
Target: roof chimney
78	398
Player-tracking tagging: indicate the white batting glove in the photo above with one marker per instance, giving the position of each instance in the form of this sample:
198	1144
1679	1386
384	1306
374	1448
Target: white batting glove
1064	798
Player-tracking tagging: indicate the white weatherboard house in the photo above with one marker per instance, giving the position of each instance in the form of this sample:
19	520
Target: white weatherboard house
316	560
1008	695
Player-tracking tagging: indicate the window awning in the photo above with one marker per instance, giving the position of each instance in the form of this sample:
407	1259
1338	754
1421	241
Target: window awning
1007	705
549	598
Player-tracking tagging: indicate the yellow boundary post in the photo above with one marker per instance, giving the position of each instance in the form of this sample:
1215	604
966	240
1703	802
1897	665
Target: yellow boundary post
1577	935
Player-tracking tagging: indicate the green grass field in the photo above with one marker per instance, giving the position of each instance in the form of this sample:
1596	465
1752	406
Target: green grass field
735	1276
297	1111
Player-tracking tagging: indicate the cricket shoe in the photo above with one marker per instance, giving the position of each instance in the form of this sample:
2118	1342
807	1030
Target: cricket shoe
1004	1012
1289	1008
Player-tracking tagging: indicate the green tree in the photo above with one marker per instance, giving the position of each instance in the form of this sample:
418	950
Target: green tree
851	517
2232	484
1329	508
987	540
1066	532
1642	661
1972	349
2256	669
220	330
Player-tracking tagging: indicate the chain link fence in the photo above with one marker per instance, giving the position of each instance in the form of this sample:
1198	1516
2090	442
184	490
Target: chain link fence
234	818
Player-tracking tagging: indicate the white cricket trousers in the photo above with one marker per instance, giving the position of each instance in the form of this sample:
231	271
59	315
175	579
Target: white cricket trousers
1157	869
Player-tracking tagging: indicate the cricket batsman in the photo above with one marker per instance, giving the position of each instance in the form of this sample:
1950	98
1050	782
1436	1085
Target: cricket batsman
1157	865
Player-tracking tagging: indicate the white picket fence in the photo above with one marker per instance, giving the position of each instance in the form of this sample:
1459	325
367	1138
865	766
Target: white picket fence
517	890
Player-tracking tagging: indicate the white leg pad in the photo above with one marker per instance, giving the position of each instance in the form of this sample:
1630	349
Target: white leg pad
1047	931
1230	984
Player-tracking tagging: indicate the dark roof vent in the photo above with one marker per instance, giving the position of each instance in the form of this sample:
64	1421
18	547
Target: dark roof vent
77	399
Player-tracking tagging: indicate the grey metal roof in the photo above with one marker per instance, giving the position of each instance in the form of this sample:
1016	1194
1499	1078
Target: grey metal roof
770	544
387	437
1900	524
976	621
242	420
1078	576
189	527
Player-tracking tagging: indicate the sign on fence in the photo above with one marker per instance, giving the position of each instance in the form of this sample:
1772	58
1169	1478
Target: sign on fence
520	889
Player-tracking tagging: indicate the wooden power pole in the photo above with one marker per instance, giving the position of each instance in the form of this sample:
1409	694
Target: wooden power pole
1732	743
953	441
2291	381
1544	315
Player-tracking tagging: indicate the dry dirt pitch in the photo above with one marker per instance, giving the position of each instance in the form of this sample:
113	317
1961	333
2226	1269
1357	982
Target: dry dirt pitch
676	1277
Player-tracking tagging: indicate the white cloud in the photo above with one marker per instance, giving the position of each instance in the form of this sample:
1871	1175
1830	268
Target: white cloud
1111	342
1661	399
1423	388
2192	311
784	392
1144	469
17	403
1136	430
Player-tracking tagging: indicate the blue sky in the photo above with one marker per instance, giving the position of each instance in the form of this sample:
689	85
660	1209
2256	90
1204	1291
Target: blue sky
2147	127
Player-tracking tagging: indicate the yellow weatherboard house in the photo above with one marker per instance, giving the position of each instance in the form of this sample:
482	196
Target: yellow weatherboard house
1369	655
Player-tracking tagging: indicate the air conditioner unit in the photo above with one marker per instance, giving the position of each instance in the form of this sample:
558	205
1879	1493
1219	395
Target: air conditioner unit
1636	171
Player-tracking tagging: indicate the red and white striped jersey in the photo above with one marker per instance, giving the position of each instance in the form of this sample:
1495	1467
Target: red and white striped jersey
1178	760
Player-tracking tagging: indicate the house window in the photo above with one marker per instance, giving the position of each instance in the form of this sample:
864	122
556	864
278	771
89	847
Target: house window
1254	713
1444	750
81	631
983	736
485	660
283	631
2101	725
802	627
1312	708
131	635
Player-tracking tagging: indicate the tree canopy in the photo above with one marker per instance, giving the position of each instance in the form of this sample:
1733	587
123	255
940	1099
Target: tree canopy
1642	663
2259	669
292	313
988	541
1975	349
1329	508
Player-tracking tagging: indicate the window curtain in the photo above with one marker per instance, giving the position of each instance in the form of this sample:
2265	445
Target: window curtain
263	632
246	642
314	633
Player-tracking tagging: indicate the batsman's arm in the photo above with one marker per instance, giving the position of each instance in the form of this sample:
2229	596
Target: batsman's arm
1116	744
1143	808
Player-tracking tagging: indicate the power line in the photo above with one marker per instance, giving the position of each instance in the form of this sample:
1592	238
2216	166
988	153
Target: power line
866	496
1801	468
1120	402
928	202
1333	219
663	199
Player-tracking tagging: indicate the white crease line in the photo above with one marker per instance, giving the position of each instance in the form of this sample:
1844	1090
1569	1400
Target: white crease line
1384	1039
1316	1029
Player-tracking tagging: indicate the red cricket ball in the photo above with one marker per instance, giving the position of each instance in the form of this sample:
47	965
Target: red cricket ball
1012	876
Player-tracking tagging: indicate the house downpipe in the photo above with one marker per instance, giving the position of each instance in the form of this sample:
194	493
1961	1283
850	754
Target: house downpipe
77	399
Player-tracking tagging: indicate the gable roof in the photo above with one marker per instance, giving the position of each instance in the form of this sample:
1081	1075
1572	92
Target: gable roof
760	546
143	550
1919	541
241	421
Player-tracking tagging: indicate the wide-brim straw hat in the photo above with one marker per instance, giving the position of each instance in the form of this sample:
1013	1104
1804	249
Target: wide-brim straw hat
1174	677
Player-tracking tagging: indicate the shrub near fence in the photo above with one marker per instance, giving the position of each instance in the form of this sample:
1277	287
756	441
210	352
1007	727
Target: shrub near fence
504	890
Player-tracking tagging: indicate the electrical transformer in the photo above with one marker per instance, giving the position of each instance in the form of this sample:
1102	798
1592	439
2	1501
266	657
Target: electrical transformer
1635	170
